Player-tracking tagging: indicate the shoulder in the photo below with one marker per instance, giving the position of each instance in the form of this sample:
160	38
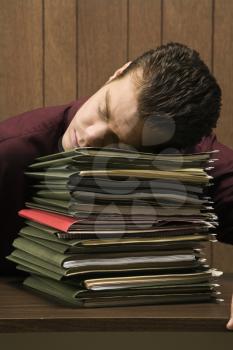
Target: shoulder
224	157
34	133
33	121
39	127
39	120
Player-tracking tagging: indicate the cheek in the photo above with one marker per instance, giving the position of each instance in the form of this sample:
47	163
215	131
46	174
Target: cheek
84	119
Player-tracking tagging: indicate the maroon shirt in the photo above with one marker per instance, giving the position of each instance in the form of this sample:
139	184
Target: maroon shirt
36	133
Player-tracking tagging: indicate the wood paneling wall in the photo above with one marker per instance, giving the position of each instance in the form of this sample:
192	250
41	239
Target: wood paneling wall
222	65
55	51
21	56
102	41
59	51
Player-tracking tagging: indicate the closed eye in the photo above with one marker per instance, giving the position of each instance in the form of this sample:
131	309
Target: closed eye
103	113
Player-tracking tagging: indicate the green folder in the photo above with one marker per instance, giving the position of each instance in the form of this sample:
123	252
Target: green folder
81	298
105	261
76	246
87	154
46	268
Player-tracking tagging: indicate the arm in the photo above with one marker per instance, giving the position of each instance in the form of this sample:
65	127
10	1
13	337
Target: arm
22	139
222	189
222	192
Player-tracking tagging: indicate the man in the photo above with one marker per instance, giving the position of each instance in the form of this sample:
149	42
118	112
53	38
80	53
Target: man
166	98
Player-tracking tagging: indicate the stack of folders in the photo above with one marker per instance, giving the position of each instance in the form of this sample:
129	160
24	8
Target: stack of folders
108	227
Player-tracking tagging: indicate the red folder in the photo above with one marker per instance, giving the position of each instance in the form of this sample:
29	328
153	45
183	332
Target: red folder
57	221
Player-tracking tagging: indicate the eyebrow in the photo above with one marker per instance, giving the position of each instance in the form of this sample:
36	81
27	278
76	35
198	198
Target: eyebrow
107	101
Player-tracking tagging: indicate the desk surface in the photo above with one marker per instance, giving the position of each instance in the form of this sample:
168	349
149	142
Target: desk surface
23	311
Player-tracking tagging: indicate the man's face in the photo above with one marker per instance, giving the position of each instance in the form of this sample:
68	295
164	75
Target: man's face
109	117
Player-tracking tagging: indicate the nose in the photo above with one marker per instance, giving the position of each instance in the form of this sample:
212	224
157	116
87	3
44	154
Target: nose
98	135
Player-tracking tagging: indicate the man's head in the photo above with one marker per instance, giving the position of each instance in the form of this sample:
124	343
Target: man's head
167	97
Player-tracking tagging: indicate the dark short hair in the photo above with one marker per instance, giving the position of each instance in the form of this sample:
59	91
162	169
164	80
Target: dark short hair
175	83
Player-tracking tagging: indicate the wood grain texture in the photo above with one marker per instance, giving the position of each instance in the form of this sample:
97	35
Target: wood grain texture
223	66
20	56
223	70
102	38
24	311
59	51
189	22
144	24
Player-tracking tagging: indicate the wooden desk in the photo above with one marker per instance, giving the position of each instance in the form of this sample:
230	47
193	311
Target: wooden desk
24	311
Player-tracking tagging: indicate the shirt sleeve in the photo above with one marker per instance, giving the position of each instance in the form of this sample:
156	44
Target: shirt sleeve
22	139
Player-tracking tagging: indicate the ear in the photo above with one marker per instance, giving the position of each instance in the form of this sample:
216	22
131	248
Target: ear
119	71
